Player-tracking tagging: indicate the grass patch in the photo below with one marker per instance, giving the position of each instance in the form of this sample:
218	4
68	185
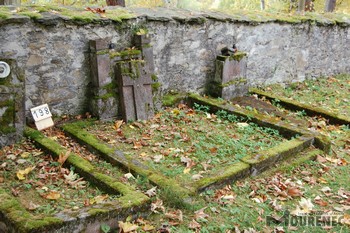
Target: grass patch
329	93
187	144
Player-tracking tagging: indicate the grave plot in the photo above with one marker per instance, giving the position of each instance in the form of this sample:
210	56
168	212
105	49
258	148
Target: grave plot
185	144
194	149
327	97
58	190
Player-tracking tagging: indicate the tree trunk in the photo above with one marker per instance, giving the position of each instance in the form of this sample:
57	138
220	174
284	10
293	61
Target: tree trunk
10	2
115	3
330	5
301	5
262	4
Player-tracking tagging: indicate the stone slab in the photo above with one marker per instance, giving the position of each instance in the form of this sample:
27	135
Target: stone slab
135	90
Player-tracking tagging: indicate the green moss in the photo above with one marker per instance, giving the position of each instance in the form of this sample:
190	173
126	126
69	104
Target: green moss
233	172
44	142
235	82
154	78
87	138
102	52
130	68
77	161
238	56
31	14
281	151
96	211
131	200
7	119
22	219
129	53
171	99
4	14
156	86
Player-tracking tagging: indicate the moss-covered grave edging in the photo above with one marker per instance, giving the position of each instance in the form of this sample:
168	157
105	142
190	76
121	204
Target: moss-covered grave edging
130	202
249	165
310	110
118	158
287	130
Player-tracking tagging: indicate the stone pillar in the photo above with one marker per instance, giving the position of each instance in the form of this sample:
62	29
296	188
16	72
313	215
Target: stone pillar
12	100
104	102
230	76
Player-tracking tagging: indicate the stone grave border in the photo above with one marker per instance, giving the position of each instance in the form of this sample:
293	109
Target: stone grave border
249	165
87	219
297	106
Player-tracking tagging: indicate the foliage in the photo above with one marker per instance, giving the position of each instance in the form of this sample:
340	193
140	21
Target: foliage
342	6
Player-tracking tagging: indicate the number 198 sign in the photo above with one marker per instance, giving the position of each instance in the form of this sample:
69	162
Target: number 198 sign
42	116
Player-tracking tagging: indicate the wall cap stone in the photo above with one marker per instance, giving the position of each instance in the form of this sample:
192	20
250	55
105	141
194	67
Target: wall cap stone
79	16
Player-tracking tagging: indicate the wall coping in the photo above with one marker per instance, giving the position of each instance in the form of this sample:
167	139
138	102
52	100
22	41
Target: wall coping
51	16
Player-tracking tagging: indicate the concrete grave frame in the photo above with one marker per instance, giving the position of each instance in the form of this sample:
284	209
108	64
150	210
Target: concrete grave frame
249	165
15	218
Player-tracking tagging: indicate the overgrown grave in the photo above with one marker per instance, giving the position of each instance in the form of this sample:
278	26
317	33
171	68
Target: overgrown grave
56	190
326	97
164	151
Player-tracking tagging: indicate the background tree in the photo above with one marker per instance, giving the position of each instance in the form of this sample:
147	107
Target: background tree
330	5
262	4
301	5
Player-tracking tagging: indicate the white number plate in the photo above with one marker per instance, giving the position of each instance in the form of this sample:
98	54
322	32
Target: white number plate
41	112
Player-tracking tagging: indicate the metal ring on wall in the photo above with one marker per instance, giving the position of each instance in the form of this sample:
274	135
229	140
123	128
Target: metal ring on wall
4	69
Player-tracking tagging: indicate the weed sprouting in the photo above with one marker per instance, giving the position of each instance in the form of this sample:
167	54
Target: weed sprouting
201	108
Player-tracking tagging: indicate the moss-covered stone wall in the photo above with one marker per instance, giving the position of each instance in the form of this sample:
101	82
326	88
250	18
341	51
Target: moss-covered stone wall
52	47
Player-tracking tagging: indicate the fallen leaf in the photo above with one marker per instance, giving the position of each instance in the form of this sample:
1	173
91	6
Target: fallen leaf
129	176
242	124
127	226
345	220
151	192
25	155
32	206
326	189
306	205
148	227
187	170
194	225
175	215
98	199
321	159
22	173
294	192
63	157
196	177
213	150
157	158
52	195
199	214
15	192
157	205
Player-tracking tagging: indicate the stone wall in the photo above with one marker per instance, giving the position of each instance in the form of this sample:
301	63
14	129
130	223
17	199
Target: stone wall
54	52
